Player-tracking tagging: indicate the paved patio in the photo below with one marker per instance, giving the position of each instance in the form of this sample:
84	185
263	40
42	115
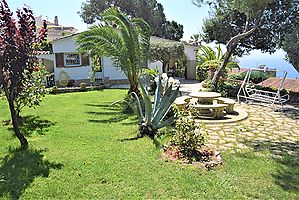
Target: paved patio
264	129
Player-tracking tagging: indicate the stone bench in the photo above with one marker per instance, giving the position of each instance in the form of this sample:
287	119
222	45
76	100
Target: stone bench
229	102
215	110
182	102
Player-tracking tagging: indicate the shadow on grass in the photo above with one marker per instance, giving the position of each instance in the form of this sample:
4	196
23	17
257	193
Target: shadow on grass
19	169
30	124
104	113
287	155
118	118
115	111
129	139
105	106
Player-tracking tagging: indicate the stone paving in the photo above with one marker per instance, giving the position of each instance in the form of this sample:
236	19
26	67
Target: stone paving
264	129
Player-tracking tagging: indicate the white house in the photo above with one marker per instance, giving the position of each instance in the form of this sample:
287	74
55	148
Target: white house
67	64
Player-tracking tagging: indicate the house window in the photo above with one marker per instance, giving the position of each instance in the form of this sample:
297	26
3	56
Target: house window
72	59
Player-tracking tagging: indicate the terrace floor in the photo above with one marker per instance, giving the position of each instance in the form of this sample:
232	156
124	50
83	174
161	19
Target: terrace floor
264	129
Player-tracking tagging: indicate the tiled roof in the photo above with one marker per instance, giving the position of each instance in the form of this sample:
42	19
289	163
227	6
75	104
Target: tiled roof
290	84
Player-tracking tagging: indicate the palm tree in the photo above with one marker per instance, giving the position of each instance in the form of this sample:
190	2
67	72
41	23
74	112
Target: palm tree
208	60
124	39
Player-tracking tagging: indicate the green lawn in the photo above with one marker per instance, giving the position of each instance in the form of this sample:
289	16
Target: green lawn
80	148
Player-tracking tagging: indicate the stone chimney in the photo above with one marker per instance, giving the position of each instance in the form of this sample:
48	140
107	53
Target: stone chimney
56	21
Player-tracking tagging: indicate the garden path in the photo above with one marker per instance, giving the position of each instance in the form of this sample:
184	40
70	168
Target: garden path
264	129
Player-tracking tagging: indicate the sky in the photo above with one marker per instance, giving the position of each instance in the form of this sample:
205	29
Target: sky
181	11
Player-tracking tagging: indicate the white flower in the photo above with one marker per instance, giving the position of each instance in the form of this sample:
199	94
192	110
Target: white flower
164	76
171	80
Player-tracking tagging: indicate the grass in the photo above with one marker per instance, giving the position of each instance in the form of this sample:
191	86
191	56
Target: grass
80	148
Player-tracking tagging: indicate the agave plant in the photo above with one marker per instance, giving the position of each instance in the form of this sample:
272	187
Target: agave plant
153	116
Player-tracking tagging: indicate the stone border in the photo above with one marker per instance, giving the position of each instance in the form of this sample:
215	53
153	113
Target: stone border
242	114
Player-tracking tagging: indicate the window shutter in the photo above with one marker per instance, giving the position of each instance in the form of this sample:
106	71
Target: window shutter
85	59
59	60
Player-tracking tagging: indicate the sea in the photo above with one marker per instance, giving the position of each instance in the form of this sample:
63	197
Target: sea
272	61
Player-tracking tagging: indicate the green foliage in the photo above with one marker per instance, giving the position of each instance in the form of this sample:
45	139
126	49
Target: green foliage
174	31
33	89
207	57
165	51
186	136
149	73
195	39
168	52
255	77
290	44
149	10
225	88
54	90
124	39
153	116
228	19
96	67
94	145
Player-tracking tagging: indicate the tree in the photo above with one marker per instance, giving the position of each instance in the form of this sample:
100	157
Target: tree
195	39
166	52
247	25
290	44
33	89
18	40
124	39
149	10
174	31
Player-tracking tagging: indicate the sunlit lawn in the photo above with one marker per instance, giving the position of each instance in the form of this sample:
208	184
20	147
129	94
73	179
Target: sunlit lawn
80	148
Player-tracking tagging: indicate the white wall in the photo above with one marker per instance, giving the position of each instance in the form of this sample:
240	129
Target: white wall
190	52
75	73
68	45
110	71
156	65
65	45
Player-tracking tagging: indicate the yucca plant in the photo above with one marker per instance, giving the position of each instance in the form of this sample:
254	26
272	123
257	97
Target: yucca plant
153	116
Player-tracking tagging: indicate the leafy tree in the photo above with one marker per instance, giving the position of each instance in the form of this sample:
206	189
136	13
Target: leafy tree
247	25
149	10
18	40
290	44
126	41
174	31
32	91
166	52
195	39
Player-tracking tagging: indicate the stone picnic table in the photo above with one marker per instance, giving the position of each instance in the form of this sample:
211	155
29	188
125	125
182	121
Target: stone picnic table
205	105
205	97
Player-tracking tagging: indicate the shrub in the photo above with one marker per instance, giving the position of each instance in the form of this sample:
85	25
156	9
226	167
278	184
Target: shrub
186	137
54	90
33	89
256	76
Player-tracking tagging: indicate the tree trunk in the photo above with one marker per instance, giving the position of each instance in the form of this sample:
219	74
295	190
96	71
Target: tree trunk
231	46
14	118
221	68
